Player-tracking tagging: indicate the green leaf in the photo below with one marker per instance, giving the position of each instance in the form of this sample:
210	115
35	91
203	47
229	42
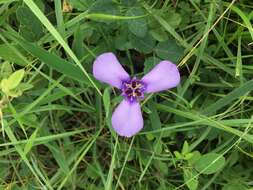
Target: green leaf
209	163
30	142
40	4
81	5
190	179
128	2
9	85
188	156
4	170
154	117
4	86
178	155
137	26
30	27
7	54
30	120
91	171
24	86
172	18
195	157
5	70
77	45
169	50
162	167
14	93
14	80
150	63
106	7
54	61
159	34
185	148
144	45
121	41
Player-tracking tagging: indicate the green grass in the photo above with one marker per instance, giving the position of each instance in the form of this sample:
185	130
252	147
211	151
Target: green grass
56	128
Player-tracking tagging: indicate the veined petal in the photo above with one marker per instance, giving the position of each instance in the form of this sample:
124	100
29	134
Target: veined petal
163	76
107	68
127	118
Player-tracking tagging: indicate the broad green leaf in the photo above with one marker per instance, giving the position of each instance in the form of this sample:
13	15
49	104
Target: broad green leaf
30	27
159	34
209	163
144	45
162	167
41	4
154	117
4	86
137	26
24	86
91	171
169	50
77	44
188	156
190	179
9	85
30	142
195	157
14	80
150	63
30	120
4	170
185	148
5	70
178	155
7	54
14	93
106	8
128	2
172	18
81	5
59	156
121	41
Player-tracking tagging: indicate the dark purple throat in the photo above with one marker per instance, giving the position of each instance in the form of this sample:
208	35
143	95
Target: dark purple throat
133	89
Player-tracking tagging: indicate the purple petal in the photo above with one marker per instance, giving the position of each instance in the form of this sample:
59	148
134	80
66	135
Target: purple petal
107	68
163	76
127	118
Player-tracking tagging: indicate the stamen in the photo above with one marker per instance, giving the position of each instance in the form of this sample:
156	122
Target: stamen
133	89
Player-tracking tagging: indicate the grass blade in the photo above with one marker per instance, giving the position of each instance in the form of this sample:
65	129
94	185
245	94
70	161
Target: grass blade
35	9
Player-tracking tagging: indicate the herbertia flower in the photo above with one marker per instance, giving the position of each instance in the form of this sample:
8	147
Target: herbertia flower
127	118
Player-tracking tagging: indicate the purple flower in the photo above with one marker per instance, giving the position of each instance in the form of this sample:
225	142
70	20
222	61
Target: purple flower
127	118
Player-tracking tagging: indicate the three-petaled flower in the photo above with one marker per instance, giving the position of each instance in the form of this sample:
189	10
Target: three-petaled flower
127	118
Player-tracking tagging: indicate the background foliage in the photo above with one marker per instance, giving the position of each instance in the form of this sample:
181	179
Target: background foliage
55	118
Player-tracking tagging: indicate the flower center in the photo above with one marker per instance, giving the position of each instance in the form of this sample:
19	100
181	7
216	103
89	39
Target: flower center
133	89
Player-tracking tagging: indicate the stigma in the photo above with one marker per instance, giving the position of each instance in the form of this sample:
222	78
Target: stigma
133	89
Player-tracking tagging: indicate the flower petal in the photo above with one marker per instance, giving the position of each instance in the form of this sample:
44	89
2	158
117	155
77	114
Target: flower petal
107	68
163	76
127	118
